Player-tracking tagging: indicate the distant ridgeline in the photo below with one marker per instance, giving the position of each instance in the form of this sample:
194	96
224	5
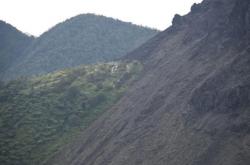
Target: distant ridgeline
38	116
83	39
13	43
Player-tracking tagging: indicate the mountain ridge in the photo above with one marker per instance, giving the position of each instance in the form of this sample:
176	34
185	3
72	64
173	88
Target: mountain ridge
82	39
190	105
13	44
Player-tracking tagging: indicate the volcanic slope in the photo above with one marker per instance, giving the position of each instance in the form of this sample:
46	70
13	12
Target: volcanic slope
191	105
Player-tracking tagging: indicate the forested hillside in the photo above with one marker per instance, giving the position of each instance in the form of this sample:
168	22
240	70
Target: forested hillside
40	115
83	39
12	45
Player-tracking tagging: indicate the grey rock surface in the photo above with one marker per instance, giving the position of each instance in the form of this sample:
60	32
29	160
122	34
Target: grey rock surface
191	105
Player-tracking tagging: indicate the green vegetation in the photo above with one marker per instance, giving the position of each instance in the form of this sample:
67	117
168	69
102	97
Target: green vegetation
39	115
84	39
12	45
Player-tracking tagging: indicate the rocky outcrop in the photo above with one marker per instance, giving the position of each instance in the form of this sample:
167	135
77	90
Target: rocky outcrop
191	104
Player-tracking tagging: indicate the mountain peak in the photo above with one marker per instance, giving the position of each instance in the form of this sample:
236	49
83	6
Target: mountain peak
83	39
12	45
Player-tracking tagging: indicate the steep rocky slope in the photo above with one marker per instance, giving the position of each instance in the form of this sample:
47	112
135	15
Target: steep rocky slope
12	45
191	105
83	39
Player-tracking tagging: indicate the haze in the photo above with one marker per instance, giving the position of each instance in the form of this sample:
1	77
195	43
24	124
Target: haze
35	17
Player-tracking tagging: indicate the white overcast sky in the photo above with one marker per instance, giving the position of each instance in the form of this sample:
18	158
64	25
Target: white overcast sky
37	16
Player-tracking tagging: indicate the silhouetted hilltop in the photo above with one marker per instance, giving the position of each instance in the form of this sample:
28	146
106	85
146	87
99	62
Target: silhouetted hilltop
12	45
83	39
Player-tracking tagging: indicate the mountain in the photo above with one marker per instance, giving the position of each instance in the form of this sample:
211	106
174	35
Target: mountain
190	105
12	45
40	115
83	39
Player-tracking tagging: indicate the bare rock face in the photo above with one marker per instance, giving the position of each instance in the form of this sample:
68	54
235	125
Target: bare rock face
191	105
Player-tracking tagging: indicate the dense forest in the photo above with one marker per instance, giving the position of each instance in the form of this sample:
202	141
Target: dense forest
83	39
13	43
42	114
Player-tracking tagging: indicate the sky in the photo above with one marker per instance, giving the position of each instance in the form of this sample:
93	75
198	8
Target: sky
37	16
